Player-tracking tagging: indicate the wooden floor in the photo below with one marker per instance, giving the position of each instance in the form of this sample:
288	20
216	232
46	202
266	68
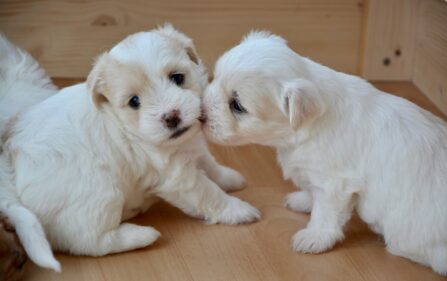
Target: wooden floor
191	250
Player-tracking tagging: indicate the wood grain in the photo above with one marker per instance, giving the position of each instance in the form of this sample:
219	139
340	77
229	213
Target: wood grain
65	35
389	40
411	93
430	63
191	250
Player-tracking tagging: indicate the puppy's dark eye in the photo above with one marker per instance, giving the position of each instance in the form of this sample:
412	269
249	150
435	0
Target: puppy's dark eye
177	78
236	107
134	102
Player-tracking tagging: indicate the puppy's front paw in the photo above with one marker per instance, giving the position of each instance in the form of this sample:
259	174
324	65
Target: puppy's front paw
314	241
229	179
238	212
299	201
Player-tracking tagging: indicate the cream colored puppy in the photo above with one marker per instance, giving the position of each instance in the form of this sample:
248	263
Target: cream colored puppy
99	153
346	144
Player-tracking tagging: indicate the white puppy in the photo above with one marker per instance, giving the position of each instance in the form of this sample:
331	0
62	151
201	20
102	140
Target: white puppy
345	143
98	153
23	83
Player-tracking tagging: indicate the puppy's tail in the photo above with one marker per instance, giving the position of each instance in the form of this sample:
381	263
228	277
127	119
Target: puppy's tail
28	228
23	82
17	65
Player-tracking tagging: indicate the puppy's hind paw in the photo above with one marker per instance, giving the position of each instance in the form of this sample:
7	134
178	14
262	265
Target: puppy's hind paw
299	201
314	241
238	212
229	179
136	236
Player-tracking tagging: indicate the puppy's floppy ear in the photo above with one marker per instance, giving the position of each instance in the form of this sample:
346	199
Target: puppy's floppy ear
192	54
301	102
169	31
96	80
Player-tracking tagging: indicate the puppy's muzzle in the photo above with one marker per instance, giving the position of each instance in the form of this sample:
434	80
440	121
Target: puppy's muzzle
172	119
202	118
179	132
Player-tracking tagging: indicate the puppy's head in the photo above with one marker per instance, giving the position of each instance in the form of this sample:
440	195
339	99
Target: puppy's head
259	93
151	83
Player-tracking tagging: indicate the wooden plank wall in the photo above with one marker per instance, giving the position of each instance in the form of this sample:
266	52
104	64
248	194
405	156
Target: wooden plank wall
407	40
389	40
65	35
378	39
430	60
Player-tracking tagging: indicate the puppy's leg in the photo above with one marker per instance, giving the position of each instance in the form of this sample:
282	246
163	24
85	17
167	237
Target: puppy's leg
200	197
438	259
299	201
227	178
126	237
102	234
330	211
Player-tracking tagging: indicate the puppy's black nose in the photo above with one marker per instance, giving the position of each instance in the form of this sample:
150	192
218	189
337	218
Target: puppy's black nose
172	119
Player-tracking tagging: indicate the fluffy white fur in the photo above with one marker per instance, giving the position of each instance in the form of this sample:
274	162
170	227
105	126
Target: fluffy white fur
22	84
346	144
84	161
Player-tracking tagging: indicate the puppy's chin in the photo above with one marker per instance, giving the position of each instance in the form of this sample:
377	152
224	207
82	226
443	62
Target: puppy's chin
182	134
219	139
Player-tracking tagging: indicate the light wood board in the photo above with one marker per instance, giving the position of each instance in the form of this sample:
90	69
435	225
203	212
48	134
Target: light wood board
389	32
430	62
191	250
66	35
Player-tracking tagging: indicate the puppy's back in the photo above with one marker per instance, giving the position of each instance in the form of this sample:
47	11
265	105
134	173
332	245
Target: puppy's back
23	82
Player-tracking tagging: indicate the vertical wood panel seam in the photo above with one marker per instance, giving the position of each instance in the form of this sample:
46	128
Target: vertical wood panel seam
362	39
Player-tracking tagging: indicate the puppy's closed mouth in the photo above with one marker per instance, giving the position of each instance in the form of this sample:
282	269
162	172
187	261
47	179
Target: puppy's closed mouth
202	117
179	132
